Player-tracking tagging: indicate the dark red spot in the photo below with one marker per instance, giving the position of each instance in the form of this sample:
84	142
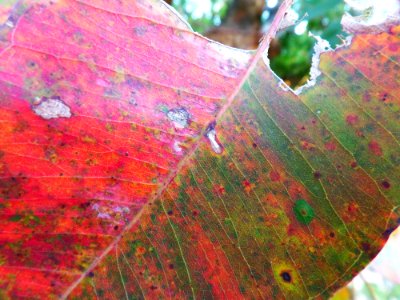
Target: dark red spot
246	183
331	146
274	176
351	119
375	148
317	175
171	266
360	133
388	232
367	97
84	204
195	213
116	227
286	276
385	184
352	208
254	145
303	128
332	234
365	246
170	212
353	164
219	189
91	274
384	97
393	47
153	287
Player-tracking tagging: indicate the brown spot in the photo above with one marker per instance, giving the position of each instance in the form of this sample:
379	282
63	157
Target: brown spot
10	188
375	148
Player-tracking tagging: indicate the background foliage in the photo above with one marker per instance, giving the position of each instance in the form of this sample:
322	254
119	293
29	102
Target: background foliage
292	58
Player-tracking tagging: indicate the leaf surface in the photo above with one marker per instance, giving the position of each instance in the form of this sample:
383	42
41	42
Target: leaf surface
132	165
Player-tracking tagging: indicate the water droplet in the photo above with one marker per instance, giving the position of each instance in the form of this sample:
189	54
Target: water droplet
211	134
10	23
177	148
50	108
179	116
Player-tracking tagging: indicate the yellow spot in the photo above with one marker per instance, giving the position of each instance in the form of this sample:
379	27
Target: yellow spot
109	127
88	139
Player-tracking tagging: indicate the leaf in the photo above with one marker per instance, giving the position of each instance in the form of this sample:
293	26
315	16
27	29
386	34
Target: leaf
137	163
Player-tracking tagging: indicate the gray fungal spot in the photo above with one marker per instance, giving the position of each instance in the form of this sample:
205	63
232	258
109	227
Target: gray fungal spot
140	30
179	116
132	99
50	108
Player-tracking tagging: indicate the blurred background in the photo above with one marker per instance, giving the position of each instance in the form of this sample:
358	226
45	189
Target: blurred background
241	24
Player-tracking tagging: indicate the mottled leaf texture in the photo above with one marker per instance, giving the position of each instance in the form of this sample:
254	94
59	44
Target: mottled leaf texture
139	160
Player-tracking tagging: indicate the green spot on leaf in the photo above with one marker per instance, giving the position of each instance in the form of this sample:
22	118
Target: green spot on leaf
15	218
303	211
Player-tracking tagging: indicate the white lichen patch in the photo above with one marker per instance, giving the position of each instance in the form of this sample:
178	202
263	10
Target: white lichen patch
113	213
375	15
290	19
320	47
179	117
50	108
